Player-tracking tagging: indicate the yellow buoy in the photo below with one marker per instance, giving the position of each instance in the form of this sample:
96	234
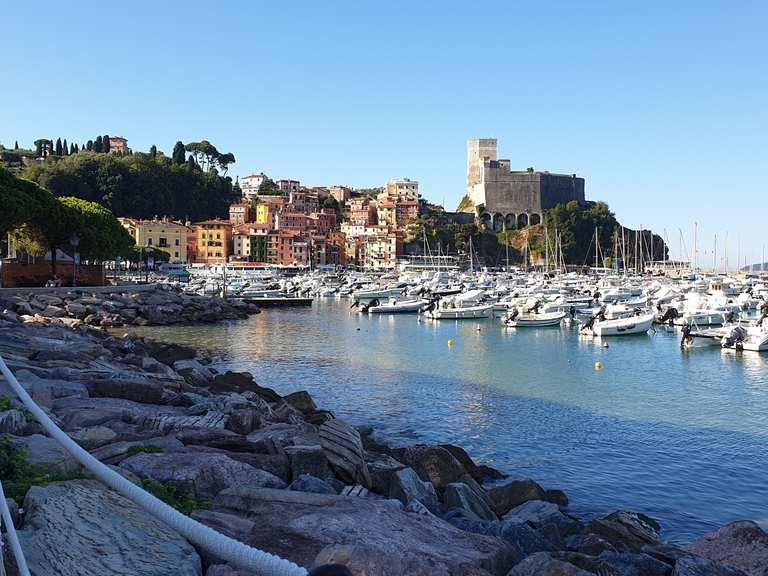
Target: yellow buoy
598	365
450	343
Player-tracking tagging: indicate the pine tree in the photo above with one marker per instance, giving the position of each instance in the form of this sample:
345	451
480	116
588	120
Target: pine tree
179	154
153	151
98	146
65	148
89	145
58	147
16	145
38	148
105	143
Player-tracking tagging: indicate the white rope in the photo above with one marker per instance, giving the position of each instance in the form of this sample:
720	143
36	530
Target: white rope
214	542
13	538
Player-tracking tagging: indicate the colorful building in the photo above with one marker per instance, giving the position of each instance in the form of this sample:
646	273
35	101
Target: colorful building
240	214
212	239
165	235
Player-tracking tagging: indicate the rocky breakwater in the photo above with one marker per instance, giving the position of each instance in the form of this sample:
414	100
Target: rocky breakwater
287	477
159	305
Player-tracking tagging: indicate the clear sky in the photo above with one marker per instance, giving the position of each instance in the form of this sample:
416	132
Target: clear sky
661	106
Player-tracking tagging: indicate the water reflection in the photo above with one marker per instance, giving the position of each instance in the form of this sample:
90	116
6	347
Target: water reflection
677	434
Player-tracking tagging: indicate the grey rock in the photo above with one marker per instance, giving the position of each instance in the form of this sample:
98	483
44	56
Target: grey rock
698	566
523	539
479	473
13	508
80	528
206	474
406	486
381	467
93	437
344	450
118	451
54	312
742	545
137	389
44	391
45	453
539	513
13	422
193	372
307	483
588	543
543	564
310	460
627	531
459	495
506	496
298	525
433	464
273	439
630	564
302	401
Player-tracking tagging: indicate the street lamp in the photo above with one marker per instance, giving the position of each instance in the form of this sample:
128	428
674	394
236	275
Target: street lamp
74	241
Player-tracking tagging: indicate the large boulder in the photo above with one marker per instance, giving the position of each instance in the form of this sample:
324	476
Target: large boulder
45	391
543	564
82	528
698	566
506	496
742	545
307	460
479	472
307	483
459	495
45	453
631	564
13	422
169	353
136	388
406	486
433	464
298	525
627	531
194	372
302	401
522	538
204	473
344	450
540	514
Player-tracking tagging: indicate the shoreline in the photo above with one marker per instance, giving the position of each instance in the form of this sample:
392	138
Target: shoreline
237	455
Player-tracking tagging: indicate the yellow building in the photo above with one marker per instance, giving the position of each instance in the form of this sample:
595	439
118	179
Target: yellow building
165	235
212	241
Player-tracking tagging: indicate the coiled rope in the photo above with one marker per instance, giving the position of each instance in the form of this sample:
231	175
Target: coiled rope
212	541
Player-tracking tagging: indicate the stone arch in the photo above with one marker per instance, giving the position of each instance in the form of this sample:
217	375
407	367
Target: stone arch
486	219
522	220
498	221
511	221
535	219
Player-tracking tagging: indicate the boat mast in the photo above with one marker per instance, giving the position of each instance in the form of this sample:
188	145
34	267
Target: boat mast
596	249
714	258
471	261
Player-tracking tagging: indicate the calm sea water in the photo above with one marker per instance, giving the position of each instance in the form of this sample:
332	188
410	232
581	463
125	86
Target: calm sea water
681	436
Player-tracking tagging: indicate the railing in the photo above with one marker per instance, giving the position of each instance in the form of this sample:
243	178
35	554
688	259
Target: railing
210	540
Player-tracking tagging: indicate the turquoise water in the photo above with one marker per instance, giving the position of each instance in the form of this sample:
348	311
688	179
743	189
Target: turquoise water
681	436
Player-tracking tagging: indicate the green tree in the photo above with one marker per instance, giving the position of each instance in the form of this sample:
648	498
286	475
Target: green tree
179	154
89	146
153	151
21	200
16	145
98	145
65	148
331	202
105	143
58	147
268	188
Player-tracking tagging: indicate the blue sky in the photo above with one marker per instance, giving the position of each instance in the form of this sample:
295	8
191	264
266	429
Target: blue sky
661	106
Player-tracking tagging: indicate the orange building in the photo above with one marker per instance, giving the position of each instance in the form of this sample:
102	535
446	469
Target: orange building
212	240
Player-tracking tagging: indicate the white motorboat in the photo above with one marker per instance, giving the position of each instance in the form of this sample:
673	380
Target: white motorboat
534	320
396	307
444	311
378	293
750	338
701	318
639	324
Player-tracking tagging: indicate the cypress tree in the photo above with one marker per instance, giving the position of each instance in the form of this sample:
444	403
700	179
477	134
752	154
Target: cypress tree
153	151
179	154
38	148
58	147
105	143
65	148
89	145
98	146
16	145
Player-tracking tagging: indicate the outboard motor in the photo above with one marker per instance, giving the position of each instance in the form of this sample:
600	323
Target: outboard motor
371	304
572	312
763	313
514	313
734	338
355	304
687	338
535	308
669	316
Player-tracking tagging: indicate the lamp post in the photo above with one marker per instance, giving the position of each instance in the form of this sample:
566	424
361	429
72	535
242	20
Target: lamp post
74	241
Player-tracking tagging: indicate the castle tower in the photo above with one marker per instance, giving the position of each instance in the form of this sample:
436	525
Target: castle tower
478	151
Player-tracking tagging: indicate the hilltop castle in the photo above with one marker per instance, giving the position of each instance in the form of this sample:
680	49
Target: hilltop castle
513	199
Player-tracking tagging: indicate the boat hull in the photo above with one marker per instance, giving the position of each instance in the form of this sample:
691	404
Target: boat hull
620	327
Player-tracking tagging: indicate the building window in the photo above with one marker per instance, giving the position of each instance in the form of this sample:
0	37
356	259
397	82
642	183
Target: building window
177	241
176	254
149	241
